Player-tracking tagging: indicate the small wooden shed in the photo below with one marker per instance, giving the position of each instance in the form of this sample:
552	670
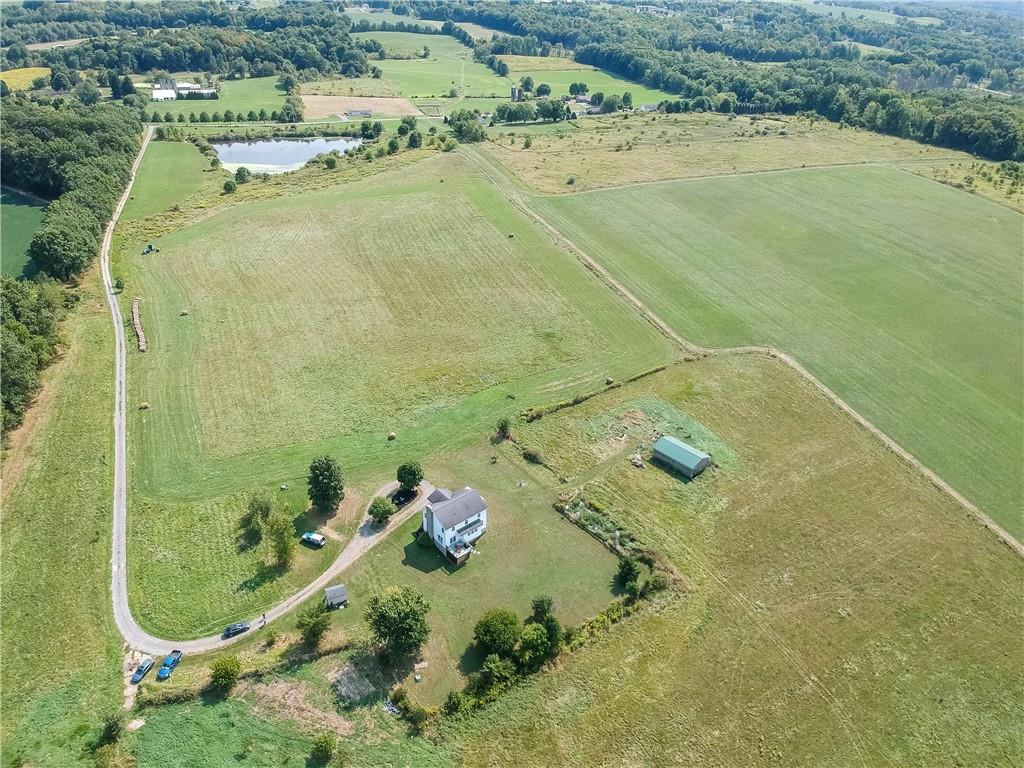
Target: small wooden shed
336	596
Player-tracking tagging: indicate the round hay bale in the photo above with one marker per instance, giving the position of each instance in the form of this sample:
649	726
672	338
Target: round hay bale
183	312
392	436
609	380
143	406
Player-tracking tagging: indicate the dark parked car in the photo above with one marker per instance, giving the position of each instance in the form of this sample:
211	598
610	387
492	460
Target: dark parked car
168	666
236	629
142	670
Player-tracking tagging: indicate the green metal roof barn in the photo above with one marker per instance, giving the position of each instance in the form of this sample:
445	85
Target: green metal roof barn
680	456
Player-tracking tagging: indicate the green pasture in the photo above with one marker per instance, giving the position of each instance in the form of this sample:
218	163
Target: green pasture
900	294
61	653
450	65
851	12
20	216
376	17
558	76
170	172
254	93
833	604
420	302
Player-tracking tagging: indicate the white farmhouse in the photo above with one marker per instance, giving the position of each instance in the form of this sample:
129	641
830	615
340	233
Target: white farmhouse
453	521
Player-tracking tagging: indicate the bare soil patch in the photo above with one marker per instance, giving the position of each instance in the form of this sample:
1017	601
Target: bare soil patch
320	106
282	699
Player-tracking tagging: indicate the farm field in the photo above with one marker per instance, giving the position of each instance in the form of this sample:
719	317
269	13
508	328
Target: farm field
318	107
830	589
21	79
170	172
438	379
377	17
616	150
559	73
61	654
20	216
254	93
907	304
450	65
827	9
834	604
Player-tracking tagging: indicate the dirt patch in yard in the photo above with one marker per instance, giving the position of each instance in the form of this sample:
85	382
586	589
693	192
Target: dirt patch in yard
350	684
380	106
282	699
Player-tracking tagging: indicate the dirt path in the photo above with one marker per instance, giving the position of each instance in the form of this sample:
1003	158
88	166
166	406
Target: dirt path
510	187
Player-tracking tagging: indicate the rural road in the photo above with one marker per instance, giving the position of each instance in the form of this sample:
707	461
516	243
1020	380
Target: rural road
135	636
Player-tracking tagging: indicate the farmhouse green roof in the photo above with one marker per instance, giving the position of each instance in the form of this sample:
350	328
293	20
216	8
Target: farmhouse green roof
679	452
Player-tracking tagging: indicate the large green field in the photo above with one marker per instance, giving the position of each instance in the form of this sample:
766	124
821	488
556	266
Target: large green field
61	653
254	93
558	75
422	303
833	603
901	294
450	65
169	173
20	216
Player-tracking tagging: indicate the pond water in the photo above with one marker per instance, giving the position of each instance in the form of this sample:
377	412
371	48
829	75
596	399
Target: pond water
277	155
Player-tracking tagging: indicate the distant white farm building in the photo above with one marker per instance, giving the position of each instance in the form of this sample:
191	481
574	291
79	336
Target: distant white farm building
358	113
454	521
679	456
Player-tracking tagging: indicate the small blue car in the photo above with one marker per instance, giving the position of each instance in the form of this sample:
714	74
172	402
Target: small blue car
168	666
142	670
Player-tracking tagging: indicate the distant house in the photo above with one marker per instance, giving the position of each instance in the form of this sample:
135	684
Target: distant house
358	113
164	94
336	596
680	456
648	107
516	94
583	99
168	89
454	521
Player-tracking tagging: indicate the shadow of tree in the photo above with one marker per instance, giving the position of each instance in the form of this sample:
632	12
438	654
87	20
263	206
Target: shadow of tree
471	660
264	575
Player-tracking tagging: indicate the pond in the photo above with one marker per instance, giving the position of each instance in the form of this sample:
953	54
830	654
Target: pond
277	155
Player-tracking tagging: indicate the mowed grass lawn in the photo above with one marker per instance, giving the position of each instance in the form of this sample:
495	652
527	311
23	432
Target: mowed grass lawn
254	93
834	607
170	172
900	294
528	550
20	216
418	301
450	65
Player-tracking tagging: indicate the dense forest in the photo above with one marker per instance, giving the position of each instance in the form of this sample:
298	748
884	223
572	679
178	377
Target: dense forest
185	36
78	155
750	57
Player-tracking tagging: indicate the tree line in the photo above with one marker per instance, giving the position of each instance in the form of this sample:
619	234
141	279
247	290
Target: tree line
705	54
